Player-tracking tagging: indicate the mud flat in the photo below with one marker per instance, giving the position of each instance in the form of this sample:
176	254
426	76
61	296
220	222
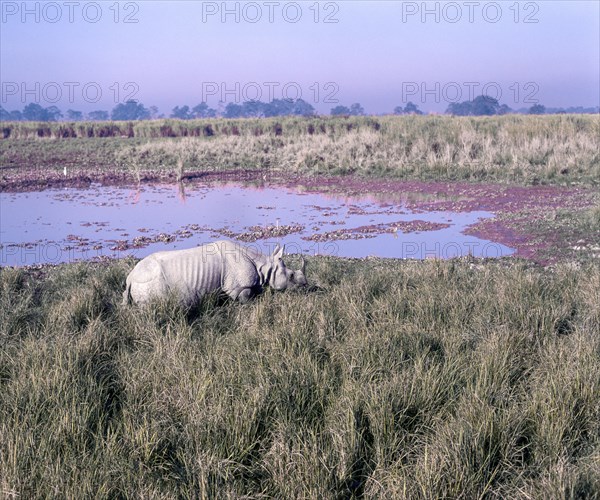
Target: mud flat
79	217
68	224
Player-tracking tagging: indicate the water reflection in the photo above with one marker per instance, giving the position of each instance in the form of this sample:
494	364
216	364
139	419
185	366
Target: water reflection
72	224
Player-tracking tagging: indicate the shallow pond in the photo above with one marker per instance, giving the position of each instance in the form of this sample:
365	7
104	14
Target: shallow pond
65	225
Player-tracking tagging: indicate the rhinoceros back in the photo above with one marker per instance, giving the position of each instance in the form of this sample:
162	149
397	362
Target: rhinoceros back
191	273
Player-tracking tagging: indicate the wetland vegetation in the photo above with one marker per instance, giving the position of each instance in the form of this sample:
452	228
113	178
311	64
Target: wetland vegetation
396	379
526	150
463	378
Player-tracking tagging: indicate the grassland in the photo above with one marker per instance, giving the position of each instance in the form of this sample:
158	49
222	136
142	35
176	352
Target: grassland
552	149
394	380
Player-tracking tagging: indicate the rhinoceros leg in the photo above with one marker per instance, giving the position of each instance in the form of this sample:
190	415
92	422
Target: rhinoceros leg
127	293
245	295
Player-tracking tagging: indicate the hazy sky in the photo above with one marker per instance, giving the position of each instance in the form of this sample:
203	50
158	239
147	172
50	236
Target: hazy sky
91	55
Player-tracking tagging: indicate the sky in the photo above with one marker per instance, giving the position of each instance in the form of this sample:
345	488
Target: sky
92	55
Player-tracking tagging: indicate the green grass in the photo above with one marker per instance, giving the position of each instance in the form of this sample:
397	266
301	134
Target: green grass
552	149
396	379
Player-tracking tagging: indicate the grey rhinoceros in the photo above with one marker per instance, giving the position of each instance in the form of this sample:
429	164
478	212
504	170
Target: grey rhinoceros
241	272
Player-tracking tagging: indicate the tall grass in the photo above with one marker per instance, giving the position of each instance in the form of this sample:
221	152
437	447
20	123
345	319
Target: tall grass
394	380
522	149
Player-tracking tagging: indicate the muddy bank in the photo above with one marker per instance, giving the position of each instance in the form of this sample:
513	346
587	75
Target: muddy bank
19	180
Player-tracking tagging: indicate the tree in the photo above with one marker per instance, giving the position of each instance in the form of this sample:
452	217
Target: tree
182	113
460	108
199	111
288	107
340	110
412	109
153	112
303	108
484	105
279	107
4	115
131	110
233	110
253	109
409	109
203	111
504	110
356	109
16	116
35	113
537	109
53	113
98	115
74	116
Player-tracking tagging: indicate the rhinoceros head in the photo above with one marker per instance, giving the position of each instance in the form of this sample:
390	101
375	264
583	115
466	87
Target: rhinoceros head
297	278
281	276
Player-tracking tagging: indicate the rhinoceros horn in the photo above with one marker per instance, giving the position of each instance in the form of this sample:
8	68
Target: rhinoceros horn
303	268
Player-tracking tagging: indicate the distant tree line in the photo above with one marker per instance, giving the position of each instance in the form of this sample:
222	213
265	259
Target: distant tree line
488	106
130	110
133	110
32	112
409	109
354	110
277	107
200	111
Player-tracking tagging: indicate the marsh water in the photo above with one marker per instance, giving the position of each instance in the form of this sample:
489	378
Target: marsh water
65	225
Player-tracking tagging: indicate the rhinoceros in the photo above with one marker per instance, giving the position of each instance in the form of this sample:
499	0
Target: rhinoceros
241	272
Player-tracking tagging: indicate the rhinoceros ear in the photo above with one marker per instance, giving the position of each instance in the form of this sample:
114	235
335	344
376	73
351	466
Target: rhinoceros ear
278	253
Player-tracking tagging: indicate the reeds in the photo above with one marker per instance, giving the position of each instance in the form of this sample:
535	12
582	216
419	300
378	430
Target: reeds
521	149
